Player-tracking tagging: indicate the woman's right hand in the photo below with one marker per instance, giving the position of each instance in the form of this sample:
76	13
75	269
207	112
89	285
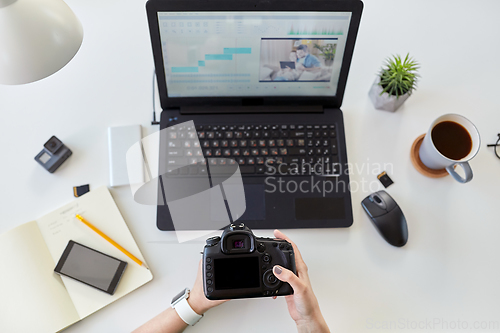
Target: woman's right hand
302	305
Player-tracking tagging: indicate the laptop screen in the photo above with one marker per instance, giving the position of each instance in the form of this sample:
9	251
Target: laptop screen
228	54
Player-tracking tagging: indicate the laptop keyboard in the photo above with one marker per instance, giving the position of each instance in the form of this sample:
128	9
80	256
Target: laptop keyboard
270	149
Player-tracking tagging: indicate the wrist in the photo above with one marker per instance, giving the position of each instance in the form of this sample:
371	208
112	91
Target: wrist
195	304
313	327
184	309
315	323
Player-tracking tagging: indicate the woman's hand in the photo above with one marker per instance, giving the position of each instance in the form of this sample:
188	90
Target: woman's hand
197	300
169	321
302	305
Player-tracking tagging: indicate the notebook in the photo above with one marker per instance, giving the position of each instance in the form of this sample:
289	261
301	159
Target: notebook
33	297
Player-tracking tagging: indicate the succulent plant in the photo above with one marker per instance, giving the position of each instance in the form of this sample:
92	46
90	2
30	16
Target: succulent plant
398	77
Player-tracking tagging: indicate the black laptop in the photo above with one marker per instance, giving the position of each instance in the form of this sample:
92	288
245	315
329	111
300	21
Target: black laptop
218	64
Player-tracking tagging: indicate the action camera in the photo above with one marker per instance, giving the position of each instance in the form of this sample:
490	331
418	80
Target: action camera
54	154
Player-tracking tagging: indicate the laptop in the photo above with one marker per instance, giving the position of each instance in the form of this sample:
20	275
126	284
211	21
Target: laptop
218	65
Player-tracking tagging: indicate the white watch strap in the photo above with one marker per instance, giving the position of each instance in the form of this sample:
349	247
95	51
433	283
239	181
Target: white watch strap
186	313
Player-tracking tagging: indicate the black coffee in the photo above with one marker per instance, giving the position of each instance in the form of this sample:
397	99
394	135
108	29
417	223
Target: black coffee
452	140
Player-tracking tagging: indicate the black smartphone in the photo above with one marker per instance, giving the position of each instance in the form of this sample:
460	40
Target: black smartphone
91	267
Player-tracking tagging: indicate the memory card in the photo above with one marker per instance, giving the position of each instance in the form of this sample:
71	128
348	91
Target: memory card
385	179
81	190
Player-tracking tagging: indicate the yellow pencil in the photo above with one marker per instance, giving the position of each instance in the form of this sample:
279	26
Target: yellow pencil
115	244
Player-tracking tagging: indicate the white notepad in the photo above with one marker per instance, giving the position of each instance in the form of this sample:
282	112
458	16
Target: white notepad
35	299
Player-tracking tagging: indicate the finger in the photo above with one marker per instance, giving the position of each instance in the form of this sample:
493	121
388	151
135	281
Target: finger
280	235
301	266
274	297
286	275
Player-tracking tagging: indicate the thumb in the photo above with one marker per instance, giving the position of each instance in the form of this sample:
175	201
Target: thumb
286	275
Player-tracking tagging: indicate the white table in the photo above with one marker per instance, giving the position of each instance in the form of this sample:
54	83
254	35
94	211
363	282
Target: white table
447	274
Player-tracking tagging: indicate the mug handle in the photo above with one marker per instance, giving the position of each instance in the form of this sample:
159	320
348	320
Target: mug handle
456	176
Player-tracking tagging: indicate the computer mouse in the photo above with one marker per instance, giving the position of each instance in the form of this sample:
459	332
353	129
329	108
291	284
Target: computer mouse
387	217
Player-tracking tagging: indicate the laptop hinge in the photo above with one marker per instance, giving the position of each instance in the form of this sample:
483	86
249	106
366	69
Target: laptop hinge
252	109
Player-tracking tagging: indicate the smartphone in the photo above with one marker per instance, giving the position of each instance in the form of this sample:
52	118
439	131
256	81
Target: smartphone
91	267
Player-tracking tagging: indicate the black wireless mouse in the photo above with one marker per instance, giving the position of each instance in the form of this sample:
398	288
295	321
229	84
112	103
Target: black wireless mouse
387	217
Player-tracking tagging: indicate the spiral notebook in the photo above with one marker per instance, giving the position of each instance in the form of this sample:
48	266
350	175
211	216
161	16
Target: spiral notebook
35	299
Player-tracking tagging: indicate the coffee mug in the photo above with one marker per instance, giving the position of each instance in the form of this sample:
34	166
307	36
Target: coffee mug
451	140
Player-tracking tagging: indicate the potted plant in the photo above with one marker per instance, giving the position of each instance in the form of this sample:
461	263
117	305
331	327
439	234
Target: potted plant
328	52
395	82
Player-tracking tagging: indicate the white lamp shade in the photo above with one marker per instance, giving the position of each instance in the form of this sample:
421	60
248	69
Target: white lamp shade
37	38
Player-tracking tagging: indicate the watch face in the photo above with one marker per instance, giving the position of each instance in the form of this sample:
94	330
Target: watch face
180	296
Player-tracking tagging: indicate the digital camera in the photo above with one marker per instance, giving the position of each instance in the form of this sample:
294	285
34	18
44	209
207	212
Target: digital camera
54	154
240	265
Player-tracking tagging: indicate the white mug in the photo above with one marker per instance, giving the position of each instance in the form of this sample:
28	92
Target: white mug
433	159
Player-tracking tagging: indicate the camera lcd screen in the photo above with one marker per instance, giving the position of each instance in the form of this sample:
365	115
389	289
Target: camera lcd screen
91	267
45	157
236	273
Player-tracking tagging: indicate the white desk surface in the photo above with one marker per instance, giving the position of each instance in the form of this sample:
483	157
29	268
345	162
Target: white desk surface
447	274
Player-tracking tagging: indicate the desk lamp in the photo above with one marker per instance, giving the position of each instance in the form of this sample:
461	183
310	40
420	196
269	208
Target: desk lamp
37	38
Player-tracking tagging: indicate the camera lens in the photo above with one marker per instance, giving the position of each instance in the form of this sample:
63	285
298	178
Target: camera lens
53	145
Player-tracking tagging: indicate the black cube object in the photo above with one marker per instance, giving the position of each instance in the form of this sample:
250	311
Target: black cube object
54	154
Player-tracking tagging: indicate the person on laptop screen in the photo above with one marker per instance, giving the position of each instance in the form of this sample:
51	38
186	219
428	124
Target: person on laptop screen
287	73
306	60
302	305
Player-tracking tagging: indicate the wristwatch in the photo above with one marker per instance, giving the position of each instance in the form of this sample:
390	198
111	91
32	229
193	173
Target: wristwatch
184	310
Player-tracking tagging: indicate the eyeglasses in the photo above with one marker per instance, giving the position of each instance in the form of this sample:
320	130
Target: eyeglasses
497	146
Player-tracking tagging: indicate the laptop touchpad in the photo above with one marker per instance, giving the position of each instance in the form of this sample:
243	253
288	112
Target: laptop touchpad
256	204
319	208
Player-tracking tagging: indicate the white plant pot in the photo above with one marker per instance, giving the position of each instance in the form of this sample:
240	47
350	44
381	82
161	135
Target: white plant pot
385	101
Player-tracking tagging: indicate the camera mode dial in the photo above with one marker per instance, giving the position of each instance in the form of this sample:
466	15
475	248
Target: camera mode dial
213	241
